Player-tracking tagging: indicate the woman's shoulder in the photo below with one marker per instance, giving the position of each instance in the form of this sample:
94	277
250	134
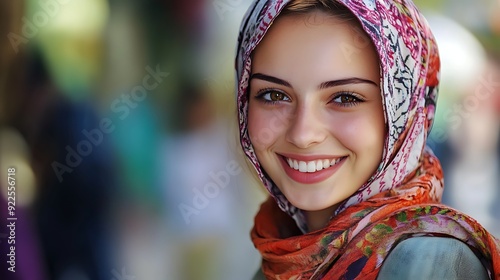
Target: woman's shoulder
432	258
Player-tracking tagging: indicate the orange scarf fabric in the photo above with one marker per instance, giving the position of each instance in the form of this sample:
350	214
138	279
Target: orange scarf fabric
355	243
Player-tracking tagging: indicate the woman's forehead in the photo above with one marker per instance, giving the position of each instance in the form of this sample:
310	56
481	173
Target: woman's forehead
298	47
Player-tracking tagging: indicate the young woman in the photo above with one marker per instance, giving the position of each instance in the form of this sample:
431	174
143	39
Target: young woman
335	100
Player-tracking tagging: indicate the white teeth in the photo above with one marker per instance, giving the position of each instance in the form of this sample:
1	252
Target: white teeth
302	166
335	161
311	166
319	165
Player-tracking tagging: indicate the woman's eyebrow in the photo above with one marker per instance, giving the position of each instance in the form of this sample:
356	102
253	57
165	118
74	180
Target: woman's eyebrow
346	81
271	79
323	85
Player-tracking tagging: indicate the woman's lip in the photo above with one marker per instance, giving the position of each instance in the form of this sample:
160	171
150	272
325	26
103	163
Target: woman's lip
309	157
310	177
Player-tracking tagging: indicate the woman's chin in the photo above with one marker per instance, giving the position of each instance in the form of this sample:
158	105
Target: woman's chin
313	205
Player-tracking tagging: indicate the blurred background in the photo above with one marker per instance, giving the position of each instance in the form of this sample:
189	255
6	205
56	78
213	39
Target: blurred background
119	119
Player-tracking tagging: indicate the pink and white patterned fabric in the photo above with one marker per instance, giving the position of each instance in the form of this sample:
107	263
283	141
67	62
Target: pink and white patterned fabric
409	63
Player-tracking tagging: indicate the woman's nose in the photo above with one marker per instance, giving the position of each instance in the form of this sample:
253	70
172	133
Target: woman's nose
306	127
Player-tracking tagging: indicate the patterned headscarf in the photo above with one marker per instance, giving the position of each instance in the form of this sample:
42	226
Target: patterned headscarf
402	198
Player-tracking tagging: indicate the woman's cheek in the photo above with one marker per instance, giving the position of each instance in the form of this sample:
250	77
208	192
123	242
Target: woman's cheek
357	133
260	128
267	124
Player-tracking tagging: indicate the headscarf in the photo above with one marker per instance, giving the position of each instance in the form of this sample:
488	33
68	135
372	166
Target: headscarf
402	198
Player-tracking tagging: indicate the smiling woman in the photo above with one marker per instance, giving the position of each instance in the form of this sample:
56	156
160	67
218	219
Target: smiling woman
336	99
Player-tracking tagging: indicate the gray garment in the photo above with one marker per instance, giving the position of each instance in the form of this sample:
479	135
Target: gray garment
259	275
432	258
428	258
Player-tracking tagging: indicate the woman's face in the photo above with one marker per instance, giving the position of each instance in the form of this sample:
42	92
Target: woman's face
315	114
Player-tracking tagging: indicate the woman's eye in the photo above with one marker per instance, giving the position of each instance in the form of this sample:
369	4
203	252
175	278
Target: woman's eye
276	96
273	96
346	99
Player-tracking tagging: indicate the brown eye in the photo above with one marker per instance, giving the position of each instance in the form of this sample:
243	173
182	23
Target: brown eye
273	96
346	99
276	96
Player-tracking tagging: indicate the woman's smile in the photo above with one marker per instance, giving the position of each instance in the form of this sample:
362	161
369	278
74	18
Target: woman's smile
313	165
304	171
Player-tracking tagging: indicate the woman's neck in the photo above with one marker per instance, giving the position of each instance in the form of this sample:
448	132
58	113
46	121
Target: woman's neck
319	219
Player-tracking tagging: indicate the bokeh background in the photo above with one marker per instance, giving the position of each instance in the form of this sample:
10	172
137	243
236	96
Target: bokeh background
119	119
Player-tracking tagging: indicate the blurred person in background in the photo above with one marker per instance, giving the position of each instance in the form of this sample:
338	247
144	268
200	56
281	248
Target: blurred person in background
73	207
471	156
467	130
206	195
